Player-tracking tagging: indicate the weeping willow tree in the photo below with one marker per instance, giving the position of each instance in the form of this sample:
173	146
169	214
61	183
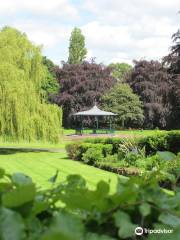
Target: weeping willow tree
24	114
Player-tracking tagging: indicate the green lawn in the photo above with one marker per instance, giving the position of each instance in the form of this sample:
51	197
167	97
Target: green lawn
62	143
43	165
122	132
24	144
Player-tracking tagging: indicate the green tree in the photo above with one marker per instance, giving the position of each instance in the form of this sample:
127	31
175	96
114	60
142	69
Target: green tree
50	85
126	104
77	49
119	70
24	115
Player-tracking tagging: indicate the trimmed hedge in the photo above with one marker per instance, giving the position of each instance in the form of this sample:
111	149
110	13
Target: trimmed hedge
113	141
169	141
77	150
99	150
161	142
109	146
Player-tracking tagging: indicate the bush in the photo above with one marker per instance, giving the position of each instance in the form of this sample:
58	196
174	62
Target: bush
169	141
162	142
92	155
113	141
173	140
72	150
111	159
107	149
113	153
76	151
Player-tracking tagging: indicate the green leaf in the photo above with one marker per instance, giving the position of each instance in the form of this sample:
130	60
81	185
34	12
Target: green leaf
126	227
168	156
19	179
94	236
4	186
11	225
19	196
170	219
145	209
76	181
103	188
54	178
39	207
173	234
65	227
2	172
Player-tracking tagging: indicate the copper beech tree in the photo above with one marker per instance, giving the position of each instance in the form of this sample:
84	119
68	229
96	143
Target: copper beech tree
151	81
81	86
172	63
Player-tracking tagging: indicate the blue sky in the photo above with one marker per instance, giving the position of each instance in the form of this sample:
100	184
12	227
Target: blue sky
115	30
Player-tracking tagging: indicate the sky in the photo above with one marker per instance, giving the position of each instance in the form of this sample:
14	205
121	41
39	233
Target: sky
114	30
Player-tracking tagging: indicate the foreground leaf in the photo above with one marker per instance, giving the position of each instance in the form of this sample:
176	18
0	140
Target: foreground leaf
19	179
65	227
126	227
170	219
11	225
19	196
167	156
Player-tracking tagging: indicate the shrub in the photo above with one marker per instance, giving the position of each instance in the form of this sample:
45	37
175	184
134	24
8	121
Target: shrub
111	159
72	150
169	141
127	153
173	140
113	141
92	155
149	163
162	142
107	149
76	151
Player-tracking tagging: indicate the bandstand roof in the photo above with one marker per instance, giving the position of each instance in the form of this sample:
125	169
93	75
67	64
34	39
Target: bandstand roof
94	111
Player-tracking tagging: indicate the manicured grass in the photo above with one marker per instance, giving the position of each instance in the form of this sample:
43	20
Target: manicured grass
63	142
43	165
121	132
21	144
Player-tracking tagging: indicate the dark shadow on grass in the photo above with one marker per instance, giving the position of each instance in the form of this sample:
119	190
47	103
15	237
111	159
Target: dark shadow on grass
14	150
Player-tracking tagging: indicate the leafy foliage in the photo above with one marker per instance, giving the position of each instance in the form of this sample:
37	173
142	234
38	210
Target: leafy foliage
172	63
126	104
77	50
24	115
169	141
81	86
119	70
85	214
132	156
50	85
154	85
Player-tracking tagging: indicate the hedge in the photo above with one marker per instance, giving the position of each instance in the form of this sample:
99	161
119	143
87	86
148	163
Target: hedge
108	153
162	142
109	146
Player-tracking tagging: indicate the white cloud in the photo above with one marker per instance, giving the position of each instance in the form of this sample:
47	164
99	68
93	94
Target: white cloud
40	7
115	30
131	29
44	34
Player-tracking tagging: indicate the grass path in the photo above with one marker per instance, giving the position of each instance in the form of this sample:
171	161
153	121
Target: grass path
43	165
